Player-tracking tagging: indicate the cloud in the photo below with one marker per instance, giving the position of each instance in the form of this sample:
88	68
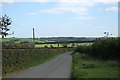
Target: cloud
107	1
79	7
80	10
7	1
32	13
86	18
74	1
83	18
70	6
112	9
88	2
42	1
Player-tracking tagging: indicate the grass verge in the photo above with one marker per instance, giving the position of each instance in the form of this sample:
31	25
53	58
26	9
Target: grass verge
89	67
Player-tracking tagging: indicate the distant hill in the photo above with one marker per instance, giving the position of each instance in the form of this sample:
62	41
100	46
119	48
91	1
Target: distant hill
67	38
44	40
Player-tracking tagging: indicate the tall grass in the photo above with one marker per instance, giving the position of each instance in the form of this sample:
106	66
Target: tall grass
20	59
99	60
90	68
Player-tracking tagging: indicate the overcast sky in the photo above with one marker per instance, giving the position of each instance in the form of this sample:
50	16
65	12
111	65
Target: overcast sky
62	18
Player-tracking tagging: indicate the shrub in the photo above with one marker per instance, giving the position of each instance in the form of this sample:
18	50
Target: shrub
45	46
102	48
106	48
73	45
17	46
51	46
89	65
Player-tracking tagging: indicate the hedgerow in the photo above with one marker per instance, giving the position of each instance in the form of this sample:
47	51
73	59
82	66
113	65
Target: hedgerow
20	59
102	48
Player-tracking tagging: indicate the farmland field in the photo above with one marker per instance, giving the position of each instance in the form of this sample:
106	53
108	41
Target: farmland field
40	40
48	45
19	40
44	40
61	45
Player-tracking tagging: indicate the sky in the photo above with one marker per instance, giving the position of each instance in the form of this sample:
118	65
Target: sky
61	18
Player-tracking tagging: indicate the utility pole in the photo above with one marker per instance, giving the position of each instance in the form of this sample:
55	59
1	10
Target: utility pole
34	37
58	44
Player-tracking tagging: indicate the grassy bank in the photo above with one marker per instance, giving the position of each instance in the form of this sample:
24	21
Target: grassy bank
61	45
99	60
21	59
89	67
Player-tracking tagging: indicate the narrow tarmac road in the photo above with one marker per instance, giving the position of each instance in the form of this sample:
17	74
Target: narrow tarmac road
59	67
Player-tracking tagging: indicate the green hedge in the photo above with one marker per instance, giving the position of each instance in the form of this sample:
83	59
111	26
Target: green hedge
18	59
102	48
17	46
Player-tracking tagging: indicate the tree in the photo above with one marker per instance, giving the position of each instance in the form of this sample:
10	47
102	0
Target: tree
65	44
73	45
5	21
51	46
107	34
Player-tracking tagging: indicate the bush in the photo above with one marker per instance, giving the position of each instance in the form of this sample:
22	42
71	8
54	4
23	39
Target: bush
102	48
89	65
51	46
45	46
83	49
106	48
65	45
17	46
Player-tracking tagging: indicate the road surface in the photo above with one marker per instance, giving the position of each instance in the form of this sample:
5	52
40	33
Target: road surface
59	67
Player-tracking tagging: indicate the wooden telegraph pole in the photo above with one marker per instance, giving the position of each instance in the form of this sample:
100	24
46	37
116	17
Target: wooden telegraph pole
58	44
34	37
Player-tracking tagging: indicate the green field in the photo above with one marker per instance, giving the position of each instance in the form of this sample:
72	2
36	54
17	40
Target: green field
19	40
61	45
44	40
48	45
40	40
89	67
12	43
